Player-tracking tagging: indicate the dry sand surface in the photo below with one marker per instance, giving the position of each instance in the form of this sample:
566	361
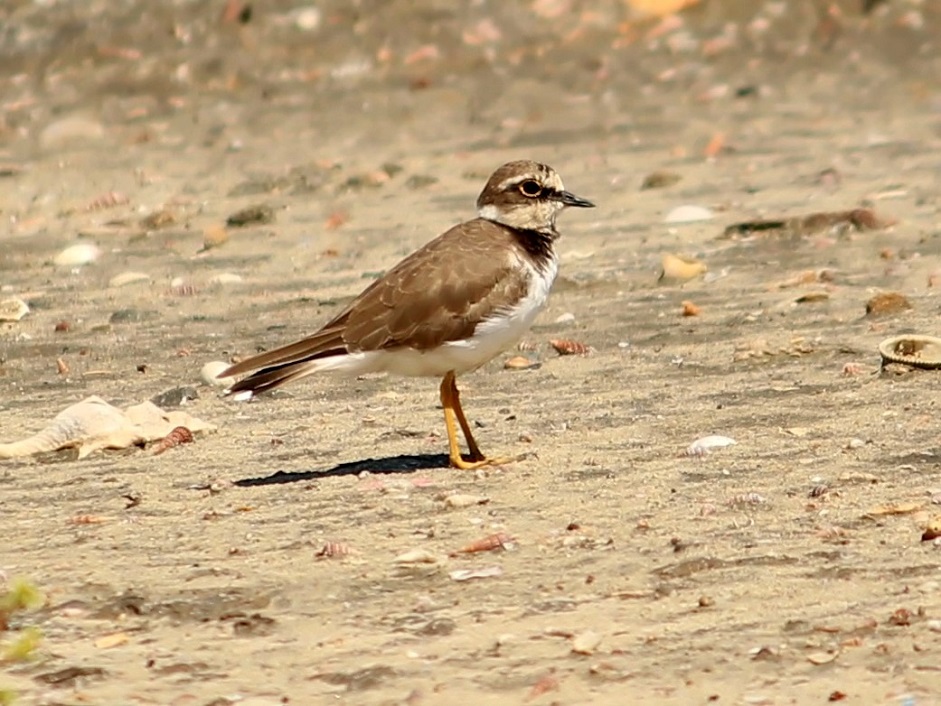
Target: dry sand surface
263	563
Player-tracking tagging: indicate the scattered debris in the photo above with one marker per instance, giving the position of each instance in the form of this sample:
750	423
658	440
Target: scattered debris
856	220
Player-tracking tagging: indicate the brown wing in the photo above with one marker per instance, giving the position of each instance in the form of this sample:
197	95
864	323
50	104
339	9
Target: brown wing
438	293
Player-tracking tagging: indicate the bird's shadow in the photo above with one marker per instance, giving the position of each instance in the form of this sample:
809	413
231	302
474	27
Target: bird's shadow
387	465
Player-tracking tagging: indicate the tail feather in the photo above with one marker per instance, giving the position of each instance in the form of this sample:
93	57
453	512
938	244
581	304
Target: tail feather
270	378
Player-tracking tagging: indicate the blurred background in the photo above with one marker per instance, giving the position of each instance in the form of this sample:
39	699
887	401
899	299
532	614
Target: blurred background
511	74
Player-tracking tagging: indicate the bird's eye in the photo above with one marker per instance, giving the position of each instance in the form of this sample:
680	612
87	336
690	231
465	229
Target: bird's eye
530	188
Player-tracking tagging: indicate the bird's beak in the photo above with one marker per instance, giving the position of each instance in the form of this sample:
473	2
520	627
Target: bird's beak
569	199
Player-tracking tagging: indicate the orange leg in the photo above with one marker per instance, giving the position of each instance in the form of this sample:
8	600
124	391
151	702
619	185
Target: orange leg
454	416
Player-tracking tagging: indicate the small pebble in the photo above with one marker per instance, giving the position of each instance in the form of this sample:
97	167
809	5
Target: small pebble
125	278
459	500
175	397
566	318
586	643
72	130
520	362
132	316
74	255
887	303
417	556
674	268
209	372
688	214
224	278
704	445
307	18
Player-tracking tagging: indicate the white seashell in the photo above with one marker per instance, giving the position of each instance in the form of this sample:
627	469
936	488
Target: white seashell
459	500
417	556
81	254
124	278
689	214
585	643
485	572
702	446
13	309
307	18
224	278
209	372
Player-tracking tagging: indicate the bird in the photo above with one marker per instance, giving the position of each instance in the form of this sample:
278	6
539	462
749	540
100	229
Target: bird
445	310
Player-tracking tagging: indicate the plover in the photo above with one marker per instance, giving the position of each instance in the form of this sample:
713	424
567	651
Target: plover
447	308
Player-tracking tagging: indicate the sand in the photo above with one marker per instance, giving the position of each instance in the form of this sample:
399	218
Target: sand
262	564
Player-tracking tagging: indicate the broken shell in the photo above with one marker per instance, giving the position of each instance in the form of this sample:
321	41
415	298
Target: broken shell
81	254
483	573
214	236
679	269
917	351
126	278
520	362
417	556
210	372
500	540
704	445
459	500
887	303
690	309
334	550
179	435
688	213
109	199
224	278
586	643
932	529
13	309
565	346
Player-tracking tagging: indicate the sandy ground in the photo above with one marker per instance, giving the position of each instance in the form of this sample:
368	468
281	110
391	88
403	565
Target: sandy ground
786	569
